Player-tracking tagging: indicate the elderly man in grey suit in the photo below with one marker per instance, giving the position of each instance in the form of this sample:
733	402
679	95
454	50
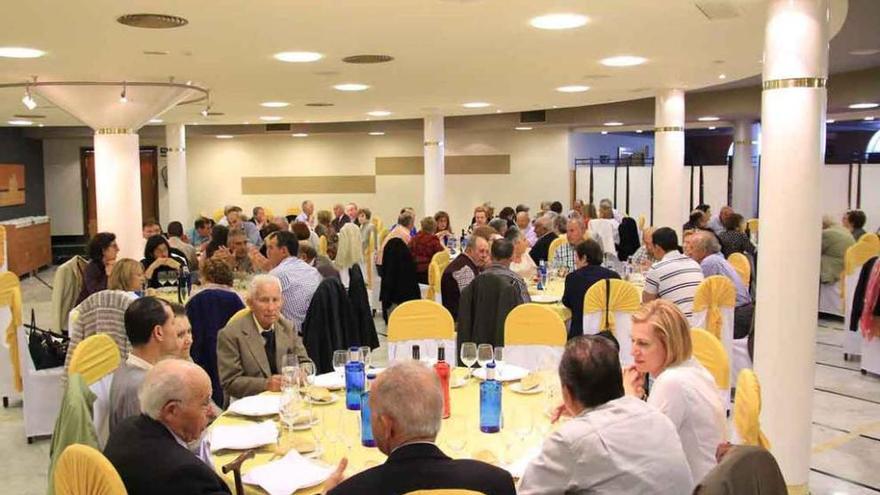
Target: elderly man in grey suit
251	349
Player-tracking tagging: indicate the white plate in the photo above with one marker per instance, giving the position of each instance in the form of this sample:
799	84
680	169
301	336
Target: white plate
333	399
517	387
545	298
461	382
509	373
257	405
302	427
330	381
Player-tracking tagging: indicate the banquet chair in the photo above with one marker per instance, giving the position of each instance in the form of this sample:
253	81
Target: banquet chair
556	244
439	262
293	210
641	223
218	214
710	353
66	287
101	313
752	227
377	222
713	309
747	411
383	233
420	322
534	335
322	245
83	470
241	313
95	359
444	491
10	320
742	266
605	228
609	305
743	469
856	256
209	311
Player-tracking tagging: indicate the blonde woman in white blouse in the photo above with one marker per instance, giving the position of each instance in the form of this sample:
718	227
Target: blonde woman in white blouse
681	388
522	263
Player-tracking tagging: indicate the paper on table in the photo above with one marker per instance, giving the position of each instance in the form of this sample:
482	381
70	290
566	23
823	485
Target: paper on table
257	405
241	437
288	474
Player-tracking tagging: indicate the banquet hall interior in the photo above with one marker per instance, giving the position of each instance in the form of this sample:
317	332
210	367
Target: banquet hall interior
749	130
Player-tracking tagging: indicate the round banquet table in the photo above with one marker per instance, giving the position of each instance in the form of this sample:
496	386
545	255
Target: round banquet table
555	287
506	445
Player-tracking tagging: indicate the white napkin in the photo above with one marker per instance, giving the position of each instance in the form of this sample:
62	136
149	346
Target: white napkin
288	474
257	405
241	437
331	381
509	372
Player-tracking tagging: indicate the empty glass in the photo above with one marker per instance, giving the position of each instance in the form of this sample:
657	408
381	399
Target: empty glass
485	354
289	370
307	373
366	357
459	431
499	360
469	356
339	359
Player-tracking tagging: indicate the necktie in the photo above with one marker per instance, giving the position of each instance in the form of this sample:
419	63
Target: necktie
269	338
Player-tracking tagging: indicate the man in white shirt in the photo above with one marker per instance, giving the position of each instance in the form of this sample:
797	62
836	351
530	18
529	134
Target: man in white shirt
307	214
614	444
524	223
716	223
675	277
298	280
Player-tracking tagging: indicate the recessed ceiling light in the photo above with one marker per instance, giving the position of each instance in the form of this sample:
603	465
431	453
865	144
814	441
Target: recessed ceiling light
865	52
559	21
830	121
351	87
712	127
613	124
377	133
379	113
224	136
476	104
270	118
42	125
866	118
300	134
710	118
274	104
862	106
20	122
523	128
298	57
639	131
623	61
20	52
575	88
722	76
156	121
604	132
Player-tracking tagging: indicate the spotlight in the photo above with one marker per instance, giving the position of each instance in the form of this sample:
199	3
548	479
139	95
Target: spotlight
28	100
122	97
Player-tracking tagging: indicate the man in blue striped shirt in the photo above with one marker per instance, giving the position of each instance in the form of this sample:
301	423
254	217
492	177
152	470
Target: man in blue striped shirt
675	277
299	280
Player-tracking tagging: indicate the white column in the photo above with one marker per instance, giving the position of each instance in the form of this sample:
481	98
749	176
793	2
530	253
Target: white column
118	189
670	195
178	204
435	179
792	147
745	151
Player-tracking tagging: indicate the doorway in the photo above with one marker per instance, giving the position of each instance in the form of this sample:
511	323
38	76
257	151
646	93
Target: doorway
149	163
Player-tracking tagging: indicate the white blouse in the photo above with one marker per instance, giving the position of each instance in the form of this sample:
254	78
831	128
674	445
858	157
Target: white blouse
526	267
687	395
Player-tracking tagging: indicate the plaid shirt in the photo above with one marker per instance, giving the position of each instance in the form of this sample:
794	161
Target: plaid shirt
643	257
564	258
298	284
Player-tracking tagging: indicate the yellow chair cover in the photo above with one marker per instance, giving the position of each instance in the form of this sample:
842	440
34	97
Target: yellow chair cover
218	214
534	324
752	225
293	210
270	214
624	297
641	223
383	233
241	313
445	491
711	354
377	222
94	358
420	319
860	252
714	293
439	262
322	245
551	251
747	410
10	295
741	264
83	470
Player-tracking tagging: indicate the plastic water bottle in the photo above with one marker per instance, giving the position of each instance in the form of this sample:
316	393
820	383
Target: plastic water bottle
490	402
354	380
367	439
187	277
542	275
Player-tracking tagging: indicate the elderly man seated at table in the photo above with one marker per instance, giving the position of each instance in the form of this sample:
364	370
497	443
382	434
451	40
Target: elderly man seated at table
149	450
251	348
614	444
462	271
545	235
524	223
502	253
239	258
644	255
321	263
406	404
521	263
565	258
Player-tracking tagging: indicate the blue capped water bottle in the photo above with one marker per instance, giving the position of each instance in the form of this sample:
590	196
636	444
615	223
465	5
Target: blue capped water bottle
490	402
354	379
542	275
367	439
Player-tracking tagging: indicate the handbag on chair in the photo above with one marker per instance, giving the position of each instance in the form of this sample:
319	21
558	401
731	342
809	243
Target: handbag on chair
48	350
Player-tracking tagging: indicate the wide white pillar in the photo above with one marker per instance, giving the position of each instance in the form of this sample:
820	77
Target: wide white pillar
745	151
435	178
118	189
178	204
670	209
792	148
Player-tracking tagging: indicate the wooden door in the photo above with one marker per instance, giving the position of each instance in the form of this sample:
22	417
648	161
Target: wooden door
90	210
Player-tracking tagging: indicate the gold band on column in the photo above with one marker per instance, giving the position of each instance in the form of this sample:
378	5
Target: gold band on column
797	82
740	141
669	129
175	150
113	130
433	143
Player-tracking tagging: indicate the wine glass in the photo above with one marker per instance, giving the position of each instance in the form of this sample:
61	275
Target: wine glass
289	370
458	434
469	356
366	357
499	360
485	354
307	373
339	359
289	409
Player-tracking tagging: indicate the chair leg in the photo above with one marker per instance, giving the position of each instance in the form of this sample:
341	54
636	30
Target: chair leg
6	402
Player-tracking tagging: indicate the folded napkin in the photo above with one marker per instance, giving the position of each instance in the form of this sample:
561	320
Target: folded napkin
331	381
242	437
288	474
257	405
509	372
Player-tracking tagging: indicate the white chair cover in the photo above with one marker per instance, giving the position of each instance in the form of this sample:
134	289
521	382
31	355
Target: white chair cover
101	409
871	355
402	350
741	360
533	357
423	288
605	228
42	392
698	320
622	331
852	341
830	301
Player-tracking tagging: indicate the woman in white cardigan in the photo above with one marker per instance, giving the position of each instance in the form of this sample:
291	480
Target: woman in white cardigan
682	388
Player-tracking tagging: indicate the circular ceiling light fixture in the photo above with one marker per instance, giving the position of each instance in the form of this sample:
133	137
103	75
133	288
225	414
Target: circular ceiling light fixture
274	104
613	124
476	104
712	127
523	128
574	88
20	122
351	87
866	118
20	52
270	118
722	76
863	106
377	133
224	136
623	61
300	135
639	131
152	21
559	21
368	59
298	57
379	113
709	118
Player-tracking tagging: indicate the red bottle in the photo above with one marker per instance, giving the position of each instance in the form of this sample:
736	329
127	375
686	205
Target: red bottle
443	371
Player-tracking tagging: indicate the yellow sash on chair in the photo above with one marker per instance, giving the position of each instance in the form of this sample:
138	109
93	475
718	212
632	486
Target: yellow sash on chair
747	410
218	214
377	222
857	255
439	262
556	244
714	293
382	235
420	319
83	469
752	225
293	210
642	223
534	324
94	358
10	295
623	297
741	264
711	354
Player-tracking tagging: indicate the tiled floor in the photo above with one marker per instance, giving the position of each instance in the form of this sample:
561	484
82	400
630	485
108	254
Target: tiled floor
846	419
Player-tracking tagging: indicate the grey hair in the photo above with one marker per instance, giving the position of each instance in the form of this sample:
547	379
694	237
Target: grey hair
260	280
499	224
471	241
560	223
576	220
410	393
707	242
169	380
514	234
546	221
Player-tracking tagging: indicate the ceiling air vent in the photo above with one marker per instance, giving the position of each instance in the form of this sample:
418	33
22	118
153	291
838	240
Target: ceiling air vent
368	59
26	116
717	10
277	127
214	114
319	104
533	117
152	21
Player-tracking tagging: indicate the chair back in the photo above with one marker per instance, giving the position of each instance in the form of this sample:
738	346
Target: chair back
747	410
742	266
856	256
641	223
293	211
608	305
322	245
556	244
713	309
710	353
744	469
439	262
83	470
420	322
383	233
10	296
94	358
241	313
377	222
533	335
218	214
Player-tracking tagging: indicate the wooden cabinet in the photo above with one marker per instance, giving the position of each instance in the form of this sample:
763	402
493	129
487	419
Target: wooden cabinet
28	248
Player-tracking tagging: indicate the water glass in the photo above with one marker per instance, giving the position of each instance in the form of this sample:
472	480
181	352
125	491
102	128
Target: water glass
485	354
499	361
289	371
469	356
459	432
366	357
339	359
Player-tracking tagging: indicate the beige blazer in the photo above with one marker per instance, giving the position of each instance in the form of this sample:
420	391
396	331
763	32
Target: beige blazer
241	355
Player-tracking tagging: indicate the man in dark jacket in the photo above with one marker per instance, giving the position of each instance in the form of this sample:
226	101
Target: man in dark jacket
462	271
544	231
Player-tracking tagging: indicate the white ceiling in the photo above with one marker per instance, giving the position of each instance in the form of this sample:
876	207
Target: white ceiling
447	52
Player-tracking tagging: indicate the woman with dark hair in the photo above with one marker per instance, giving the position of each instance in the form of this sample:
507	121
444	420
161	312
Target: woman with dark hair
588	271
444	227
219	238
509	215
157	259
629	238
102	251
732	238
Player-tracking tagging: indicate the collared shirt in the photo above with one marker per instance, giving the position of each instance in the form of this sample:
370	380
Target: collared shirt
531	236
137	362
715	264
298	284
260	327
716	225
675	278
503	271
406	444
642	256
564	257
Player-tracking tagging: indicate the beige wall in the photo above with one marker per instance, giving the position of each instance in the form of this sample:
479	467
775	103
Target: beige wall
64	204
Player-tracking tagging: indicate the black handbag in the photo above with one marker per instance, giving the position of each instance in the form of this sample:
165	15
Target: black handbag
48	350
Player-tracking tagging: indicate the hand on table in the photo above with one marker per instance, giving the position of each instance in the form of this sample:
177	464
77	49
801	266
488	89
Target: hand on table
337	477
273	384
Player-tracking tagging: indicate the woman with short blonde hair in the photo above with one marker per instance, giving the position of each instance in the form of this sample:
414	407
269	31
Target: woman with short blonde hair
127	275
